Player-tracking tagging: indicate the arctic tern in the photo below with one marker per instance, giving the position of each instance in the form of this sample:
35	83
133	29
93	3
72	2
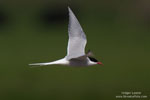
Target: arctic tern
76	47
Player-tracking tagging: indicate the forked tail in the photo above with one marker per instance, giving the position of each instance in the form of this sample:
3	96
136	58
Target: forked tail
39	64
57	62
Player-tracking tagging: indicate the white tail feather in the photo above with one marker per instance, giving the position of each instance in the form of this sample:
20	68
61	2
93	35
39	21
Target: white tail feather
39	64
58	62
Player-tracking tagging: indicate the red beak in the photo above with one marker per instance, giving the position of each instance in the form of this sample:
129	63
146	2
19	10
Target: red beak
100	63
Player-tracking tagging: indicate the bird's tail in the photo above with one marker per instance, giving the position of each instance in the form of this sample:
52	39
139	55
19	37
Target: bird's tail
47	63
39	64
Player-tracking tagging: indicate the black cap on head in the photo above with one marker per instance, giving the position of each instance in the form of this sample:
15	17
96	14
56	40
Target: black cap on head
93	59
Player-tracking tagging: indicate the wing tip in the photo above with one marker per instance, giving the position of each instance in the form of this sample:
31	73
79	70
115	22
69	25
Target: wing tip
69	9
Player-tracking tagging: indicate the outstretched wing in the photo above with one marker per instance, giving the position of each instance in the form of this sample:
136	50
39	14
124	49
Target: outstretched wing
77	38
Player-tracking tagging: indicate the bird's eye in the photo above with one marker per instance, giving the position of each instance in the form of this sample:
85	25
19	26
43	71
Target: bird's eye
93	59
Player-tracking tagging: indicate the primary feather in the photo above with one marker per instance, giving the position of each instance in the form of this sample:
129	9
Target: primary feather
77	38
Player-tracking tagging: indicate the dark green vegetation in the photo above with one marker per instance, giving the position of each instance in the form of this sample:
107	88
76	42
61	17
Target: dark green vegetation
118	34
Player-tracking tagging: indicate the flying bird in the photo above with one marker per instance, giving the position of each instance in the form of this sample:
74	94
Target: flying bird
76	55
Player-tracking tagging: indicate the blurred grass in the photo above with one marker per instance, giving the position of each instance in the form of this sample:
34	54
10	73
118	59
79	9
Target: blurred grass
119	40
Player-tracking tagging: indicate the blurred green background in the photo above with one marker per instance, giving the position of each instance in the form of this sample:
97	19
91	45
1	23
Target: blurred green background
118	33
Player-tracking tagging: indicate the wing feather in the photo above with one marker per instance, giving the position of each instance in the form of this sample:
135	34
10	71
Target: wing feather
77	38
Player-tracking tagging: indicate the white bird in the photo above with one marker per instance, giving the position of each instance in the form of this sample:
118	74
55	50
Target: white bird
76	47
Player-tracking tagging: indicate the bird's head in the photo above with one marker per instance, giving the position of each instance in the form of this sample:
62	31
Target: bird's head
95	61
